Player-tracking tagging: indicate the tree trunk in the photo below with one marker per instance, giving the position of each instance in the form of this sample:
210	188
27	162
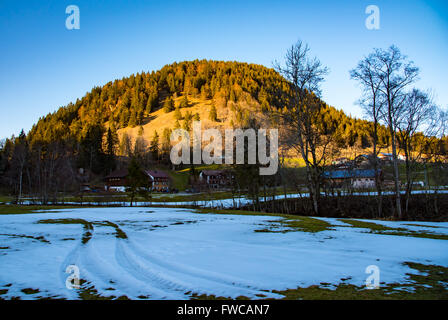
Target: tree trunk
396	174
19	200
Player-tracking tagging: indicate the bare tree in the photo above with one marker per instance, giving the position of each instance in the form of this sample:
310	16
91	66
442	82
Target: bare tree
372	104
394	74
52	170
302	108
140	152
125	147
438	151
416	127
19	160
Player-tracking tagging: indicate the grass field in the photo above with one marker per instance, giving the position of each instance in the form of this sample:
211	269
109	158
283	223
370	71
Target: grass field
5	199
16	209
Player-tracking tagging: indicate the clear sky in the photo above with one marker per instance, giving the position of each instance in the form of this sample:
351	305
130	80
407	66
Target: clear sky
44	66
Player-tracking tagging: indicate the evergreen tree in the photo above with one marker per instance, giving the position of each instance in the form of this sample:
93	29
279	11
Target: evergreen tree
177	114
232	96
111	143
139	117
184	102
168	106
137	182
125	147
133	120
213	116
166	143
91	149
153	102
124	118
141	130
154	146
188	119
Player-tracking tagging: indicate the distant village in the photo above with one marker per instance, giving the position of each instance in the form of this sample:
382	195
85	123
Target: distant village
357	173
161	181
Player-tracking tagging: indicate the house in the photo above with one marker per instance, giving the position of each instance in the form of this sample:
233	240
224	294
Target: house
385	156
340	161
216	179
365	161
116	181
87	187
389	156
160	181
363	158
356	178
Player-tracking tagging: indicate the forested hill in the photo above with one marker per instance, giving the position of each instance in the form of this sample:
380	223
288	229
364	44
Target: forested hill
230	89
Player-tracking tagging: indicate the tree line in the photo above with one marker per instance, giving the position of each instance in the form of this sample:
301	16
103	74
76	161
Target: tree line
84	134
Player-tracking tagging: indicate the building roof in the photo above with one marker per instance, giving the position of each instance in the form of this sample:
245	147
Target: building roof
212	172
367	156
121	173
157	174
347	174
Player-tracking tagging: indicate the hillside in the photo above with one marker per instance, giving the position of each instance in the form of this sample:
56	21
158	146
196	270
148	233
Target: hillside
159	120
140	104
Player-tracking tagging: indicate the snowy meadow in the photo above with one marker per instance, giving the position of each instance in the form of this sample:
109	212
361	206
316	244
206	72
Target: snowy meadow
172	253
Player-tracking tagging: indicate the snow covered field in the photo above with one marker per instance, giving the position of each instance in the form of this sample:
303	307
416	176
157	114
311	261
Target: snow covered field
165	253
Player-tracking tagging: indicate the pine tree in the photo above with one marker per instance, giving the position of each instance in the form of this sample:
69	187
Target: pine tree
91	153
184	102
141	130
166	143
264	106
153	102
111	143
137	183
188	119
232	96
213	116
124	118
139	117
125	146
154	146
133	119
148	108
168	106
177	114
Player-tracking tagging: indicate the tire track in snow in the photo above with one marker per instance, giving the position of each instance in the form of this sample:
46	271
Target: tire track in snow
175	278
95	270
145	272
103	273
169	288
73	258
170	273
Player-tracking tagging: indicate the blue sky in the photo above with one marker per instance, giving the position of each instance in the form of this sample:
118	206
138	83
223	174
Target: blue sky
44	66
